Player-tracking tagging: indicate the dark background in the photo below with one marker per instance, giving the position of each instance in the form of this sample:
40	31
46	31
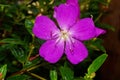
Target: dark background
111	68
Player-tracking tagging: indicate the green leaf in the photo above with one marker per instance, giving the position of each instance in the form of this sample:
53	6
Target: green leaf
96	64
34	62
29	25
107	26
2	6
19	77
19	54
12	41
2	56
3	71
95	44
67	73
53	74
79	78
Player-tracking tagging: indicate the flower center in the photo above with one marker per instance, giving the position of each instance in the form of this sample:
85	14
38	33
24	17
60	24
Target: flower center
64	35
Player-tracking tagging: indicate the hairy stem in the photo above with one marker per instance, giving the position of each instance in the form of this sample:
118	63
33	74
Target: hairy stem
37	76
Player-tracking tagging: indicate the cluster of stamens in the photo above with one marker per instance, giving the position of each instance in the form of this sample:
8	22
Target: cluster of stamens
64	35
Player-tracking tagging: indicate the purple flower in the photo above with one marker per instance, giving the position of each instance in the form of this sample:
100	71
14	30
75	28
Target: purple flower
67	37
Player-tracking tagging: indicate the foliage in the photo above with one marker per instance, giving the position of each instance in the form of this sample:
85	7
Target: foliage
19	58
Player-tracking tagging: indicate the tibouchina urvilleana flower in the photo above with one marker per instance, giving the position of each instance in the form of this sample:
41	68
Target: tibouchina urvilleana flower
66	37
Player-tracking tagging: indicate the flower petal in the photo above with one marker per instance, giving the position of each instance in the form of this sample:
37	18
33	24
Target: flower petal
72	1
44	27
76	51
84	29
66	15
52	51
99	32
76	4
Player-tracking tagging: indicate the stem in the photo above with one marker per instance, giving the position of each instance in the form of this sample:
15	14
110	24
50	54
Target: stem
16	73
99	16
29	69
51	2
33	38
37	76
30	52
33	57
34	67
31	47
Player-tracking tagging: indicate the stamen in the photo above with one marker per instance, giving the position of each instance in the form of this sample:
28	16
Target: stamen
64	35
